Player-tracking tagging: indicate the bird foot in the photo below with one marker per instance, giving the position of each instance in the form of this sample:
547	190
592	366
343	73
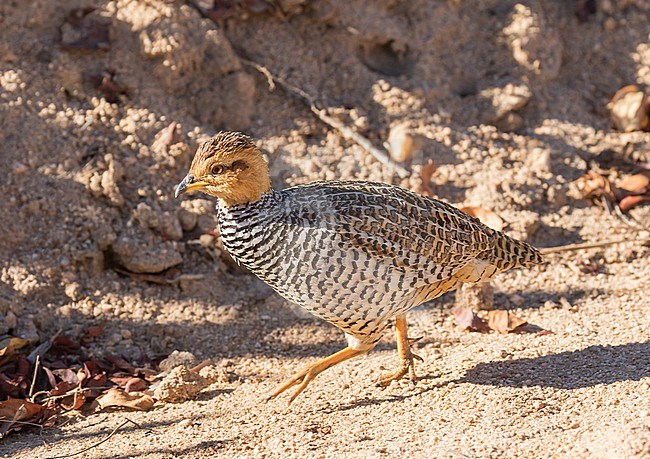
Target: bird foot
407	366
301	379
304	377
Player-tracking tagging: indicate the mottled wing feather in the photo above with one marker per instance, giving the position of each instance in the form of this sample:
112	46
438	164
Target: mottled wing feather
425	238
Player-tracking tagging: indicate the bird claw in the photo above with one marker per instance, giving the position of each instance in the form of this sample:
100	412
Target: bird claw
407	366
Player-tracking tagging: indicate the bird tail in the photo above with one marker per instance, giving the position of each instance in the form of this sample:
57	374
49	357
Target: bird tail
509	253
506	253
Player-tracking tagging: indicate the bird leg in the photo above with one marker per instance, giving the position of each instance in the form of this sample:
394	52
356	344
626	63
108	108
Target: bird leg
304	377
407	357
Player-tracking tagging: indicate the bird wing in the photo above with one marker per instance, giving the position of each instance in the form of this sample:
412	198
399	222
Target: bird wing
428	240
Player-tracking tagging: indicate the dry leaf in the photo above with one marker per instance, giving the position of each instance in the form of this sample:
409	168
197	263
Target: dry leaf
637	183
486	217
629	202
105	83
135	385
24	408
504	321
468	320
13	410
11	344
67	375
119	398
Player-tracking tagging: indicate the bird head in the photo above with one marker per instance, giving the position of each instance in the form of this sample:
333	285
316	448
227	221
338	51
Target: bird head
230	167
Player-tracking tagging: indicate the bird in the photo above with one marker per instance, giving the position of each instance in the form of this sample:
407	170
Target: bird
357	254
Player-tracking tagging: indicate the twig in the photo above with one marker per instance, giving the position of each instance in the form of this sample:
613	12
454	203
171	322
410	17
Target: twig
36	368
94	445
75	391
346	131
585	245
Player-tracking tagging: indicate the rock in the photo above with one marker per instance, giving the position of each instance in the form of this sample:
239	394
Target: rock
180	44
630	109
400	143
476	296
504	100
540	162
187	219
180	385
177	358
512	122
206	223
145	215
11	321
139	257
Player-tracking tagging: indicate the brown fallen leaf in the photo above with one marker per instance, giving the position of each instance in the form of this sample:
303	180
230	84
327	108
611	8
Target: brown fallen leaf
62	345
91	333
637	183
467	319
504	321
135	385
119	398
67	375
630	202
105	83
14	410
486	217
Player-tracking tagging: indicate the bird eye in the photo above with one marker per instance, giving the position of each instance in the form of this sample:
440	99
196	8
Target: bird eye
218	169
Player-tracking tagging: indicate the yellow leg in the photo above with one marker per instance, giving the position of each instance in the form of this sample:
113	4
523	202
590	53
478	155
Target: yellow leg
304	377
406	356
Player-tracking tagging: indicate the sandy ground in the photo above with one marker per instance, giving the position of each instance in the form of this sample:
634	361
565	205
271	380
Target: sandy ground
509	101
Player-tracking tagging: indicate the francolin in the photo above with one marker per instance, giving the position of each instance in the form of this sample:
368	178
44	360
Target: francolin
356	254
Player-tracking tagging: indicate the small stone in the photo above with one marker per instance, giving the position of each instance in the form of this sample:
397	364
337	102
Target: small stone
139	257
187	219
72	291
400	143
630	110
177	358
19	168
11	321
206	223
170	226
476	296
511	122
505	100
180	385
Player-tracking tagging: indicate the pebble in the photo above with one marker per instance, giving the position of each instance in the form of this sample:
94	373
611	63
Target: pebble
176	358
400	143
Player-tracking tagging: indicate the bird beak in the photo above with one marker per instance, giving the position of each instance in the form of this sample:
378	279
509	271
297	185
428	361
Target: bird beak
189	183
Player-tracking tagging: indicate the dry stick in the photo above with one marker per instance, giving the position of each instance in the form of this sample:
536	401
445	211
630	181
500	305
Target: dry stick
585	245
36	365
94	445
346	131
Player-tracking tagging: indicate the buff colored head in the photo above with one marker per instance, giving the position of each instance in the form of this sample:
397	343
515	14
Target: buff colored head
230	167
